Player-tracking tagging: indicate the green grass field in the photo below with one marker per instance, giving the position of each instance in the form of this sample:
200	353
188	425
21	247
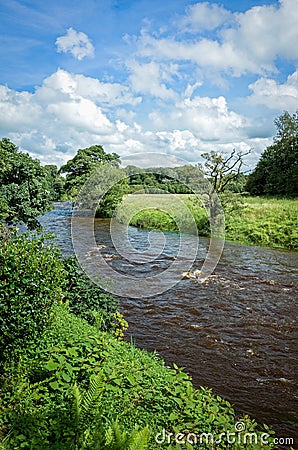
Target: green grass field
263	221
251	220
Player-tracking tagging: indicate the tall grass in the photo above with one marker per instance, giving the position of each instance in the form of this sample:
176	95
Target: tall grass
265	221
251	220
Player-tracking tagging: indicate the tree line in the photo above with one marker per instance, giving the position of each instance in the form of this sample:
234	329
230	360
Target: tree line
27	189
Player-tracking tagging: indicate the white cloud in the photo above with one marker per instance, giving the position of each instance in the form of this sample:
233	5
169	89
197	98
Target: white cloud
65	113
205	16
264	33
151	79
76	43
73	85
16	110
207	118
82	114
68	112
276	96
204	53
249	42
191	88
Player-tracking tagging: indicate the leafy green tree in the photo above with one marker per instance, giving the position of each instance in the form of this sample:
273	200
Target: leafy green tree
84	163
56	182
24	188
174	180
112	198
277	170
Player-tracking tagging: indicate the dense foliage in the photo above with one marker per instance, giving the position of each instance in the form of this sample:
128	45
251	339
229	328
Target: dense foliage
108	203
90	302
33	277
74	384
55	181
31	281
277	171
83	164
24	187
178	180
83	167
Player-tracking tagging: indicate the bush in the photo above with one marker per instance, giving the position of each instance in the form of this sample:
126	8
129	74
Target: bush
89	301
40	399
32	278
31	281
128	386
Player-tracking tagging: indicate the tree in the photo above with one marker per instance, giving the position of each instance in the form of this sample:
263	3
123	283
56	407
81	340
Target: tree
223	169
277	170
56	182
24	188
86	161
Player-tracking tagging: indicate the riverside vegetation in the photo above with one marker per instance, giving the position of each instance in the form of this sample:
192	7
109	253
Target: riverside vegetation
69	381
248	220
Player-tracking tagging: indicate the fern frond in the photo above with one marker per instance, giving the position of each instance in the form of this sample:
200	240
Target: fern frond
138	440
109	437
91	399
119	437
122	440
76	406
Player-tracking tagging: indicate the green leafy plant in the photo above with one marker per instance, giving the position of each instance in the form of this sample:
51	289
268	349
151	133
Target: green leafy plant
85	411
120	391
90	432
31	281
89	301
115	439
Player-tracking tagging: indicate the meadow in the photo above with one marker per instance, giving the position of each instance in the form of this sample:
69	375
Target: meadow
249	220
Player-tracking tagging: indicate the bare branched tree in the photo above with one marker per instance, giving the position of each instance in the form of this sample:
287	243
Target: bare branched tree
222	168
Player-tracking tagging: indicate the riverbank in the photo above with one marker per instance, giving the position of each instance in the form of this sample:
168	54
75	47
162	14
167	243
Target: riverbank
69	384
261	221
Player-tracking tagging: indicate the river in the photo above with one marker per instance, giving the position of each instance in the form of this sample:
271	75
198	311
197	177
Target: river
235	333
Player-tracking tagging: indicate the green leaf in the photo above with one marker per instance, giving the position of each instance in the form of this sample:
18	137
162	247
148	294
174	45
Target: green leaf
52	365
66	377
54	385
173	416
131	379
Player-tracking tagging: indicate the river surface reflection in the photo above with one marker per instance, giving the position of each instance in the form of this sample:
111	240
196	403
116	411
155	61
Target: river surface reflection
235	333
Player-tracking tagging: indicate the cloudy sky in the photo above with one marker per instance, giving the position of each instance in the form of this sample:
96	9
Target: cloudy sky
180	77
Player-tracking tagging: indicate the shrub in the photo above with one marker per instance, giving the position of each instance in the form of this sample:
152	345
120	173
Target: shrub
31	281
89	301
129	386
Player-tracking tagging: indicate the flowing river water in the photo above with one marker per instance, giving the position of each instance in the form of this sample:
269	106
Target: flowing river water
235	333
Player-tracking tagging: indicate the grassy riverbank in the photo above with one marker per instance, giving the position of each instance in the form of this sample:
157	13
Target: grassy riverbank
265	221
69	382
250	220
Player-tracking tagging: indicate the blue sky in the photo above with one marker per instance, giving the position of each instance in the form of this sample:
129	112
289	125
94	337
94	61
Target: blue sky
136	76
